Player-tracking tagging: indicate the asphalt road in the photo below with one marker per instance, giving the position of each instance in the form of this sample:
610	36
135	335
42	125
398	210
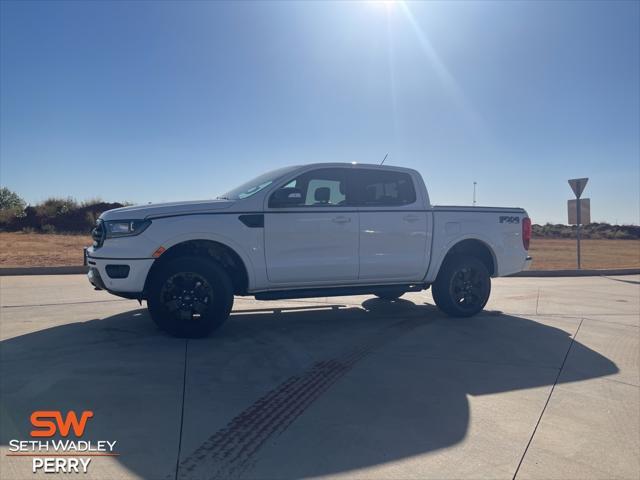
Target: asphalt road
544	384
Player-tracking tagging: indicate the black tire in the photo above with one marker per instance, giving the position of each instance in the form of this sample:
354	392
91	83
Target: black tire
190	297
462	287
389	296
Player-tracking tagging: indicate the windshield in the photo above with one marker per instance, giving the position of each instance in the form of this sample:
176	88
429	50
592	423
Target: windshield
254	186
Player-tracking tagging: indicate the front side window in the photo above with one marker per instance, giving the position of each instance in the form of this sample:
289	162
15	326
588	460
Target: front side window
377	188
324	187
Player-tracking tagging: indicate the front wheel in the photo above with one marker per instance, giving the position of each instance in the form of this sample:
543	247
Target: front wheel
190	297
462	287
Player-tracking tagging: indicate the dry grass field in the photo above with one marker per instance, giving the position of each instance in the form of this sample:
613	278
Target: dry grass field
560	253
41	250
33	249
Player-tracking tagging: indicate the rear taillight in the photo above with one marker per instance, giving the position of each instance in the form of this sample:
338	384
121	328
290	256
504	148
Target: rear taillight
526	232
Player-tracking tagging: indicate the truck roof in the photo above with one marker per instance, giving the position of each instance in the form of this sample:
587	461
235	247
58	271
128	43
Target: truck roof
356	165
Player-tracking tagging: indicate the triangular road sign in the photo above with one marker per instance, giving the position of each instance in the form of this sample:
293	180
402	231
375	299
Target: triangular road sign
577	185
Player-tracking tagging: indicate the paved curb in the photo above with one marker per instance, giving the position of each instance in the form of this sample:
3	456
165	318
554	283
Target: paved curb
577	273
11	271
75	270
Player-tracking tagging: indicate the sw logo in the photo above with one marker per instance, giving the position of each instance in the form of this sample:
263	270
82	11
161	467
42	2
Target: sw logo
508	219
51	421
67	455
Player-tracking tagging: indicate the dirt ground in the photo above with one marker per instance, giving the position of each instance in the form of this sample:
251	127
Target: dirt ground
32	249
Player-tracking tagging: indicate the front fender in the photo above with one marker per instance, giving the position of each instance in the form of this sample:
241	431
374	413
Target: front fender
246	242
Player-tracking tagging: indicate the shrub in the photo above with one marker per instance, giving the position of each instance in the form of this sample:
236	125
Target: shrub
566	232
10	200
62	215
91	202
91	217
594	230
622	235
53	207
6	216
11	206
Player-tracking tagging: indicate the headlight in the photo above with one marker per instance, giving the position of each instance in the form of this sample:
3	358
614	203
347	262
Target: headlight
125	228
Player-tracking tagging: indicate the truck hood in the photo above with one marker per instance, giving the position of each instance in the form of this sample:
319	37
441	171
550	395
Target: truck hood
153	210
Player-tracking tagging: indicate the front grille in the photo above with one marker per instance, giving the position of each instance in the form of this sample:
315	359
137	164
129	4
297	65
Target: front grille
98	234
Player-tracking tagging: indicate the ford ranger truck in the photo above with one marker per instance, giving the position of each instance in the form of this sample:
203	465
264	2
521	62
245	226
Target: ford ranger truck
305	231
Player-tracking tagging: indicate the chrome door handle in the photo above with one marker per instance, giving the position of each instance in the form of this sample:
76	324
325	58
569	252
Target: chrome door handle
341	219
411	218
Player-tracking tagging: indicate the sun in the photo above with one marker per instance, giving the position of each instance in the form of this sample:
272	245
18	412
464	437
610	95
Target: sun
386	4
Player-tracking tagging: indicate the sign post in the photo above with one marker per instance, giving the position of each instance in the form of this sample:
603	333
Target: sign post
575	208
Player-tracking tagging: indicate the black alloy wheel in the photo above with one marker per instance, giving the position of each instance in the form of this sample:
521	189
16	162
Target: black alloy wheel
463	286
189	297
467	288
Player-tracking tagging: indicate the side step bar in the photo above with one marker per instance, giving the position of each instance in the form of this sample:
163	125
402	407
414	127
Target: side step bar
339	291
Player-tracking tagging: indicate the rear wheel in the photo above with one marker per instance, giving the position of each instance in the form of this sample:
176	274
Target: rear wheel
190	297
462	287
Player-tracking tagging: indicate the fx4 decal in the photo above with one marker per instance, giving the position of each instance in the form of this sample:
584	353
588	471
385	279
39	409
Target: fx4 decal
508	219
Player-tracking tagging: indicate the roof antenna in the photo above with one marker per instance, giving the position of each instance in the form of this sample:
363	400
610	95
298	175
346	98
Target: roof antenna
385	157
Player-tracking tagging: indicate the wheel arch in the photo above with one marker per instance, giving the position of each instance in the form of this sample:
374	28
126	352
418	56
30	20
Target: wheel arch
230	260
474	247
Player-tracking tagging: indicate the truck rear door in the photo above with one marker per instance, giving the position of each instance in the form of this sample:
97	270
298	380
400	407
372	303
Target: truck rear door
393	225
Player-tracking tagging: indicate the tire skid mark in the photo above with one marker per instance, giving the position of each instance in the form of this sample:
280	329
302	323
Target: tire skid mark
232	450
265	433
275	407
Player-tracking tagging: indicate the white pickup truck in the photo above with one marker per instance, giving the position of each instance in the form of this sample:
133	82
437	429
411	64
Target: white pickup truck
305	231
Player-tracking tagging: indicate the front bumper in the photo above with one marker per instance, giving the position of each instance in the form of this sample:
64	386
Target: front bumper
132	285
95	279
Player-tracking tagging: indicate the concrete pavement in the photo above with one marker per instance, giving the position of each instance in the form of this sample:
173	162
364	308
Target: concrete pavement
544	384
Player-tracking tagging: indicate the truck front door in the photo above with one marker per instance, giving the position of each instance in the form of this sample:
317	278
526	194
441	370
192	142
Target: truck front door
311	234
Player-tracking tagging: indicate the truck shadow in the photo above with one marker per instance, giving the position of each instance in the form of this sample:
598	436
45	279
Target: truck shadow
281	393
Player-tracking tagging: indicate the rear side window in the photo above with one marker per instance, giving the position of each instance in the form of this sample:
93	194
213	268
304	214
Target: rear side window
379	188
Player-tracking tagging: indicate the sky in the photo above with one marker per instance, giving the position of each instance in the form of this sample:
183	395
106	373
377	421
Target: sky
161	101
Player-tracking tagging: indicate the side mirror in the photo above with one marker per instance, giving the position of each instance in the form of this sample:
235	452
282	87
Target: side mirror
286	197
